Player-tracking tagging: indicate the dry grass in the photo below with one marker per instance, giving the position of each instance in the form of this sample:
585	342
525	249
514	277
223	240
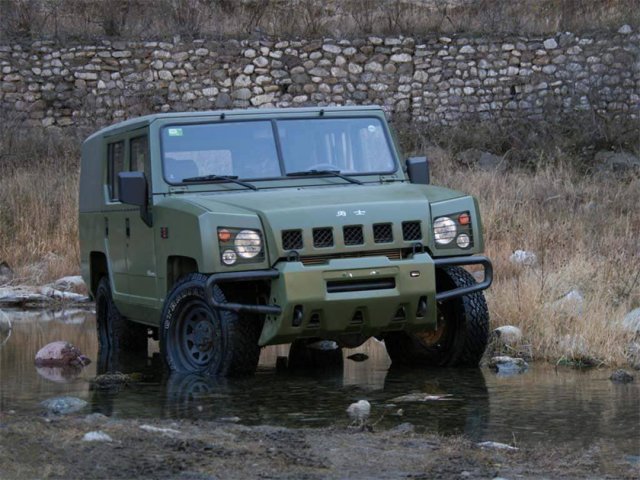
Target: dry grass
156	19
581	224
38	203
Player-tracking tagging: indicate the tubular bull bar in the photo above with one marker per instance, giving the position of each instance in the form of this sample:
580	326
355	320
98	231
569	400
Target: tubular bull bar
272	274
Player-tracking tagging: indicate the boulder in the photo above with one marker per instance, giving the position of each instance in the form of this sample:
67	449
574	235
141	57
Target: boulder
505	365
6	273
491	163
621	376
571	304
60	354
631	321
523	257
111	380
96	436
73	283
497	446
617	161
63	405
632	353
508	334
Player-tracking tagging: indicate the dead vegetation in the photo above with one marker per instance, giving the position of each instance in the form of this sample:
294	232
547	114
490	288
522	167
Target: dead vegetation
580	222
163	19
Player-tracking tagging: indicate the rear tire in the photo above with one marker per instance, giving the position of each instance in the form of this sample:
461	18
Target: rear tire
462	334
115	332
195	338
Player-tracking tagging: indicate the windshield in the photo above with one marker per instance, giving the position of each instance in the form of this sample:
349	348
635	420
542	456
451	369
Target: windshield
247	149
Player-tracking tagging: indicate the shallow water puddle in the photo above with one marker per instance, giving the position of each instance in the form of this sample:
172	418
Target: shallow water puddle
541	406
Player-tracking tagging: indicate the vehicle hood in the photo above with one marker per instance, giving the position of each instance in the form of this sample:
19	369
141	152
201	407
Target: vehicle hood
329	207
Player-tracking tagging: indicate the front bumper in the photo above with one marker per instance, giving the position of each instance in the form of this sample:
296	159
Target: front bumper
352	296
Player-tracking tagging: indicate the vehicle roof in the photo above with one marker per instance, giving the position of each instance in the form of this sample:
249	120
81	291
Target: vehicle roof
143	121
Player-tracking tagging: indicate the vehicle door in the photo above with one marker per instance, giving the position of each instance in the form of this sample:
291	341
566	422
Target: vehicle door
141	258
114	214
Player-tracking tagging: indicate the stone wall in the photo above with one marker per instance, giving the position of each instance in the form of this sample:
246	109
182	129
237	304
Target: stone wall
436	79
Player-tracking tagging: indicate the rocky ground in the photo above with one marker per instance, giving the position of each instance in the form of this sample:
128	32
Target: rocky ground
50	447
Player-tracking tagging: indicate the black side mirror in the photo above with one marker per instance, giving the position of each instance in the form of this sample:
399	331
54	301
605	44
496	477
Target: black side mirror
418	170
133	188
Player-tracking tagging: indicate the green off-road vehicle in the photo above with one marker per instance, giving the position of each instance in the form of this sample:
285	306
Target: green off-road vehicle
222	232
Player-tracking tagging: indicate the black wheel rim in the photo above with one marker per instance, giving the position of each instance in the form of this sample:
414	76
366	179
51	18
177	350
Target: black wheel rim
196	337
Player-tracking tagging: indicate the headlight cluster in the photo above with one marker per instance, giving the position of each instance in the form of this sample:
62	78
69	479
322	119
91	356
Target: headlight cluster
242	245
453	227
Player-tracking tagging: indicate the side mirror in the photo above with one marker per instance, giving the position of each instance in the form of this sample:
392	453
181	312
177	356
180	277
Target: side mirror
133	188
418	170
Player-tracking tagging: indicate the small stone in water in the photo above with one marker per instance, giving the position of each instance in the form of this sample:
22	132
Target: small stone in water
63	405
497	446
96	436
60	354
621	376
507	365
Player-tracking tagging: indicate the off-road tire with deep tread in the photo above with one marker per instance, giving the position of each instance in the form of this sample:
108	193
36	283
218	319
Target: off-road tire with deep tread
236	345
115	332
466	331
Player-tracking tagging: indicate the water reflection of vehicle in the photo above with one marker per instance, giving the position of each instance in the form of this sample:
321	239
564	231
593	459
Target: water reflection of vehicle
464	411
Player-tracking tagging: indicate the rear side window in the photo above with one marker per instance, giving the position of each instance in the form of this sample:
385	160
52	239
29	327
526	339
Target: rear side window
115	165
138	153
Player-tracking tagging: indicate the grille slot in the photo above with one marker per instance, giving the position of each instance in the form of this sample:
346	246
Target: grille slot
339	286
411	231
323	237
353	235
382	233
292	239
391	254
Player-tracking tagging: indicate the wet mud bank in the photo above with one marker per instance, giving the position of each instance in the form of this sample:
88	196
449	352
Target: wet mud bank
95	446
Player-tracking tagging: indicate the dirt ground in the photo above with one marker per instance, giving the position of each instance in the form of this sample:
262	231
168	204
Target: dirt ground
39	447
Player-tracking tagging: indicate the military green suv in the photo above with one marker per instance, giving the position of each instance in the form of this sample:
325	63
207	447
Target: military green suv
222	232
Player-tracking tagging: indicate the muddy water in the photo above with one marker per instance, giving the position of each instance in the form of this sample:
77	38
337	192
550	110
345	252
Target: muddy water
544	405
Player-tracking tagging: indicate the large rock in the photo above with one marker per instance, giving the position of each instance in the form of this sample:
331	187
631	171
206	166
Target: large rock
631	321
60	354
621	376
523	257
73	283
505	365
570	304
508	334
63	405
6	273
617	161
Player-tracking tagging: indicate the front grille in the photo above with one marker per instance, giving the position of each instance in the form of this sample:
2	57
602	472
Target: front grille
353	235
391	254
292	239
382	233
411	231
323	237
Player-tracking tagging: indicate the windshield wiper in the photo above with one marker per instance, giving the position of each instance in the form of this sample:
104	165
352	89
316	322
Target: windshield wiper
219	178
320	173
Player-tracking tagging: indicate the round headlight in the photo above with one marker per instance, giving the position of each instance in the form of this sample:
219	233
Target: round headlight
463	240
248	243
229	257
444	230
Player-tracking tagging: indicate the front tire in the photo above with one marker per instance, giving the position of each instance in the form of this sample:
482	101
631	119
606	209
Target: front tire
462	334
194	338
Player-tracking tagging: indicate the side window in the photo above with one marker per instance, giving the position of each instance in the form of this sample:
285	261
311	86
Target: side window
139	148
115	165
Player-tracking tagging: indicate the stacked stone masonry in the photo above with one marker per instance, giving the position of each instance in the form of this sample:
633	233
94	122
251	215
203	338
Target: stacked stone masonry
437	80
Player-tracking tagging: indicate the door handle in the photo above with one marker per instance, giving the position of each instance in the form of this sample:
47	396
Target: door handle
127	227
